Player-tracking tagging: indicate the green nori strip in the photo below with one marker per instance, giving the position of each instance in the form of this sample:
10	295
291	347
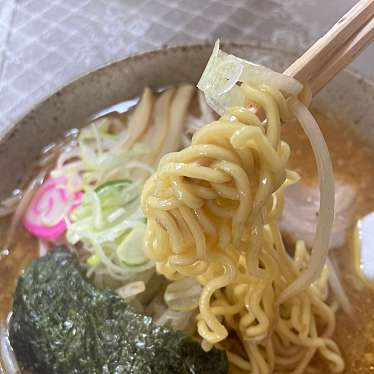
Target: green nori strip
62	324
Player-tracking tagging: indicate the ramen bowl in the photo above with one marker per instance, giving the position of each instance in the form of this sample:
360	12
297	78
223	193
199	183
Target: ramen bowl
348	98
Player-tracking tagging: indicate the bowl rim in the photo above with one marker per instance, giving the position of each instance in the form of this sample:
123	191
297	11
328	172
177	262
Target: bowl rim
15	125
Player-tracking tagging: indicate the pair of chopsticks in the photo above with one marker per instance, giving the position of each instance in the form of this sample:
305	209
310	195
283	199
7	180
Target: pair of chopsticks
336	49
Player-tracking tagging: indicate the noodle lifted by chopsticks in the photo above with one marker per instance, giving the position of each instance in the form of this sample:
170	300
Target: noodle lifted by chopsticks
213	211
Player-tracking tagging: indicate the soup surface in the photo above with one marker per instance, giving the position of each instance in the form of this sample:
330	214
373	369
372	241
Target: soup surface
353	161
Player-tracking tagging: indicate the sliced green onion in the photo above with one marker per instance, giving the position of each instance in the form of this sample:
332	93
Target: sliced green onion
131	250
108	187
93	261
109	222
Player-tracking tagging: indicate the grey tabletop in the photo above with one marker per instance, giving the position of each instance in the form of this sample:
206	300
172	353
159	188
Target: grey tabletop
47	43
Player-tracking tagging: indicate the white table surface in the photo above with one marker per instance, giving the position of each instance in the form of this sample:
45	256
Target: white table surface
46	43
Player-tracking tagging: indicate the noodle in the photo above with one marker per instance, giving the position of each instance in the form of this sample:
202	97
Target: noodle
213	211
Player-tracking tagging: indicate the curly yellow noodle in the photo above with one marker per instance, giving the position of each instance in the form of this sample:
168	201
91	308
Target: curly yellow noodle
213	211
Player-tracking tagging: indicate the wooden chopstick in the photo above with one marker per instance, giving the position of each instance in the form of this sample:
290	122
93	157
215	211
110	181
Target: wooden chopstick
343	57
350	35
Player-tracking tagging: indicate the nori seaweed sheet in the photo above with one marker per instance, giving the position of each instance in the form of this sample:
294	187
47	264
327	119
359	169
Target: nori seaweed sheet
62	324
